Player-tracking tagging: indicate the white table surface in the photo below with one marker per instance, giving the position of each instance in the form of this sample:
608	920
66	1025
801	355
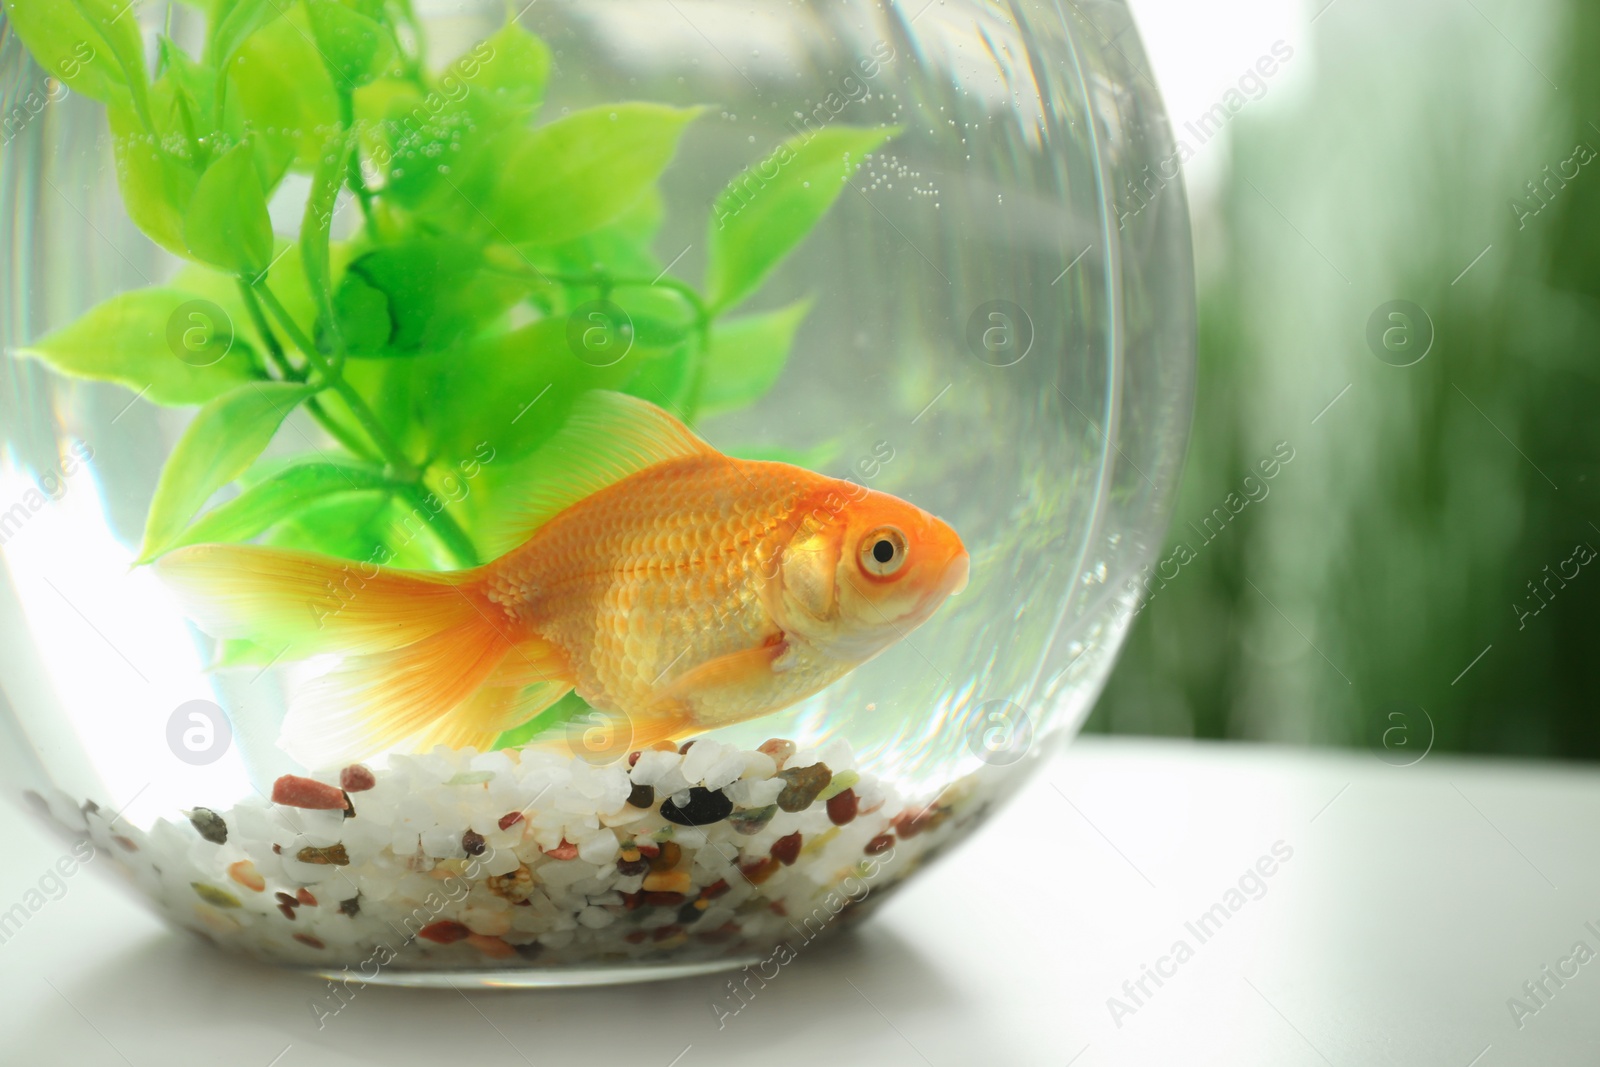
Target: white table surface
1416	903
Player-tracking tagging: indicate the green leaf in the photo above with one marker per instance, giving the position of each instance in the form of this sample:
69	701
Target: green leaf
355	48
278	498
116	25
242	20
169	346
768	209
348	526
570	708
226	436
420	296
746	357
580	172
63	43
284	92
226	223
512	67
156	187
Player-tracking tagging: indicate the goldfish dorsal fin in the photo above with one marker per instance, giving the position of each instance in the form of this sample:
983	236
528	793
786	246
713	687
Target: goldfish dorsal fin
607	437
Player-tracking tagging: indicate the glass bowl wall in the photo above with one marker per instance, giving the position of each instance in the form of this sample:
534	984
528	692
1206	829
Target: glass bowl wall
1001	331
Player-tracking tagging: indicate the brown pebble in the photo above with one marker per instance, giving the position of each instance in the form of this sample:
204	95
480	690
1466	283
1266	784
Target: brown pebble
631	864
515	886
842	807
329	855
787	849
356	779
493	947
303	895
634	937
671	852
726	932
631	901
307	939
510	819
911	823
296	792
633	759
661	933
642	796
684	748
351	907
760	871
288	912
880	844
714	890
287	901
804	783
445	932
473	843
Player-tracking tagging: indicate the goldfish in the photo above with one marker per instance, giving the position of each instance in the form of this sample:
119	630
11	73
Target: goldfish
665	582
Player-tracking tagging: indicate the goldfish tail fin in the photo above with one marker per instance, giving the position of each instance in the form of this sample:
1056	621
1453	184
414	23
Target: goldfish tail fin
427	658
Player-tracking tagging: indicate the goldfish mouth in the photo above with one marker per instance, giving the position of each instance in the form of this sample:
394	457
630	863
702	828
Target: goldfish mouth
956	574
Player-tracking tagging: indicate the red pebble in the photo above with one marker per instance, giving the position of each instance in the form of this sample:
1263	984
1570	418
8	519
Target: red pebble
787	849
715	889
777	908
633	937
661	933
508	821
288	901
664	899
288	911
842	807
445	932
297	792
307	939
304	896
564	851
647	850
356	779
726	932
632	900
633	759
881	843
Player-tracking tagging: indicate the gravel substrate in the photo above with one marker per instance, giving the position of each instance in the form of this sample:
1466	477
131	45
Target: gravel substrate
461	861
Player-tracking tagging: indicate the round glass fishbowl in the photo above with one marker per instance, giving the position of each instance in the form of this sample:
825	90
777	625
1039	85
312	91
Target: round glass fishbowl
589	493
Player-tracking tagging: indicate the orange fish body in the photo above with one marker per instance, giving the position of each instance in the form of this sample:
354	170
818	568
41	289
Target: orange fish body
661	579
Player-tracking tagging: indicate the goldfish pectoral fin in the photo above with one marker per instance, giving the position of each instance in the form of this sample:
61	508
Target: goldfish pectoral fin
607	437
749	667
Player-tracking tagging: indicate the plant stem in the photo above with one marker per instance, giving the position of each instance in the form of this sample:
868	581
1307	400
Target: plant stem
358	181
280	361
450	534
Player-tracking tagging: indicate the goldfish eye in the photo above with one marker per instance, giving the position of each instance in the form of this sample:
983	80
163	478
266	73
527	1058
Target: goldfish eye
883	551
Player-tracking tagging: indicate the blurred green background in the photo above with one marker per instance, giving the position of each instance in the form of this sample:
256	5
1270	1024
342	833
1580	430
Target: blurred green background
1418	554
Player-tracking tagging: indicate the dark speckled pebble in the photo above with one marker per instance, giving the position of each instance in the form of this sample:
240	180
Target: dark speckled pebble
705	806
642	796
209	825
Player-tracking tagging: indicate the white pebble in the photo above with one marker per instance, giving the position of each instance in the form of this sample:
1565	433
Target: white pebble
595	918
